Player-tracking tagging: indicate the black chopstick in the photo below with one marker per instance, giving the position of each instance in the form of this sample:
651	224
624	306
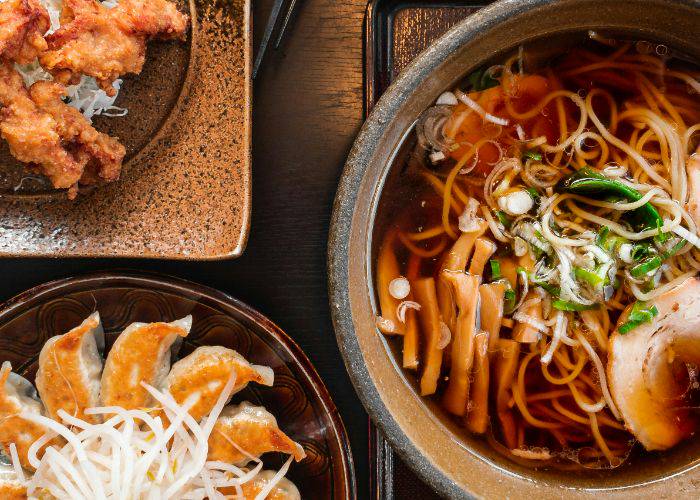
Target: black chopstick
272	22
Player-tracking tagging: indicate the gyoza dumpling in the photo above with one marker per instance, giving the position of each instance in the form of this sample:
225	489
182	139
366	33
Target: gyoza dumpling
17	395
283	490
206	371
70	367
141	353
253	430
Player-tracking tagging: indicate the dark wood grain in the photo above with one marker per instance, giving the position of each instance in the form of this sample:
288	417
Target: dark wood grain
307	111
415	28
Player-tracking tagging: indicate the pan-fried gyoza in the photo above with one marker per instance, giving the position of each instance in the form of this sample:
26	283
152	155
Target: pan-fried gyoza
141	428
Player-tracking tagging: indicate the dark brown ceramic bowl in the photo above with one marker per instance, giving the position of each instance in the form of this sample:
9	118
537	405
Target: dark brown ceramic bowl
185	187
445	456
298	399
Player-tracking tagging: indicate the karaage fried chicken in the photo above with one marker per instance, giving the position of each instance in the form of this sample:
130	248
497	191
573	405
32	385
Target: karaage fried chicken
101	154
22	27
106	43
43	131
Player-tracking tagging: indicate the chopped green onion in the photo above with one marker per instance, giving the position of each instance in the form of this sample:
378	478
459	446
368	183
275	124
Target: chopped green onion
646	266
567	305
638	315
495	269
552	290
608	241
587	276
504	219
602	237
547	287
481	79
540	236
533	194
508	300
661	237
674	249
640	250
531	154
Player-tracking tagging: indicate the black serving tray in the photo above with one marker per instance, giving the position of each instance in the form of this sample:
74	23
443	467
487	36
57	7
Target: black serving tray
396	31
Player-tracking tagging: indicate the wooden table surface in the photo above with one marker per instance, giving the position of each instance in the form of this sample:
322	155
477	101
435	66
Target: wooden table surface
307	111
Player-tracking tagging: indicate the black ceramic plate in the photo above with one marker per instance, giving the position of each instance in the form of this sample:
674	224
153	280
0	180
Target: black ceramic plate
298	399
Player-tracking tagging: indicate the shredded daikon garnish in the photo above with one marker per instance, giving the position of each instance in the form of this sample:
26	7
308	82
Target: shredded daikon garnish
481	111
403	306
532	321
136	454
15	462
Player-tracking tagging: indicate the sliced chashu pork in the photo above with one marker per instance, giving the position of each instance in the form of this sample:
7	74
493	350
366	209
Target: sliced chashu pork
646	369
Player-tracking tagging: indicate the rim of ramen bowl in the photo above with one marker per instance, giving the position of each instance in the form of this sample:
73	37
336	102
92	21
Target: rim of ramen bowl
228	305
491	31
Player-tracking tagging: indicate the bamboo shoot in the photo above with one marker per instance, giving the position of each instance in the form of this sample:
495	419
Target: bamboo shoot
478	416
484	248
506	363
465	289
491	311
525	332
429	317
388	270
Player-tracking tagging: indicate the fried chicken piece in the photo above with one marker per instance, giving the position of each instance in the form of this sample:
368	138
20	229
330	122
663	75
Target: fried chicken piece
57	139
101	154
106	43
32	134
22	26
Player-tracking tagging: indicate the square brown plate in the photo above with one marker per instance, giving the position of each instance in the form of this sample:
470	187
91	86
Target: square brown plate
186	182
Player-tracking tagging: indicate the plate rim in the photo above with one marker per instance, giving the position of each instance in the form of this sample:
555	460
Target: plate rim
36	295
237	245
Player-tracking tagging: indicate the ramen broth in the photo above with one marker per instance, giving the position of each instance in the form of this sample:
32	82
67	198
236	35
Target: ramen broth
545	210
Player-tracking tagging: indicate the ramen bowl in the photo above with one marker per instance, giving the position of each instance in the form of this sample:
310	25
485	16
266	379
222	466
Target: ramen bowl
442	453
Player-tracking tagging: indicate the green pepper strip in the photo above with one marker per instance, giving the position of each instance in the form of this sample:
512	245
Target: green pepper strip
640	250
587	181
532	155
504	219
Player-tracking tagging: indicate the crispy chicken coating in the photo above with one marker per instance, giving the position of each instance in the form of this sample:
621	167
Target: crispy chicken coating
101	154
22	26
41	130
106	43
